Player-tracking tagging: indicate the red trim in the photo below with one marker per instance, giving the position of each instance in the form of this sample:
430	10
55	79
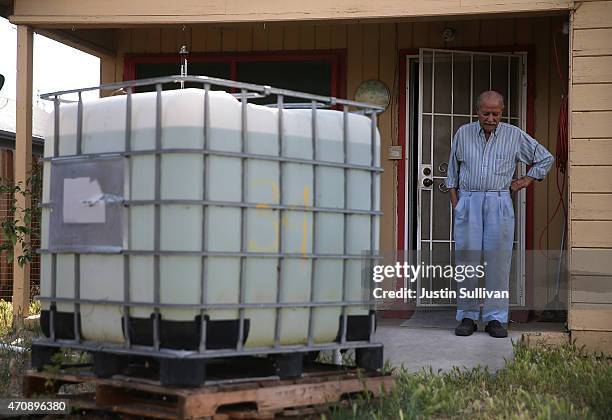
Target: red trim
401	168
336	58
401	172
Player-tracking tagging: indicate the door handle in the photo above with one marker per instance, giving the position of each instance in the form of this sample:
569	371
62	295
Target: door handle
427	182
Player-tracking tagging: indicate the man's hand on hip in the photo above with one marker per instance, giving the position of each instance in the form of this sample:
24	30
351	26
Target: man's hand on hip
453	196
519	184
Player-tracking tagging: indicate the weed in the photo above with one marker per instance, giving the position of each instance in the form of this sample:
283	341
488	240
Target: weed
540	383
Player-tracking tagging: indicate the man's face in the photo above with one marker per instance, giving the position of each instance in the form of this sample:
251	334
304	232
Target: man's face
489	114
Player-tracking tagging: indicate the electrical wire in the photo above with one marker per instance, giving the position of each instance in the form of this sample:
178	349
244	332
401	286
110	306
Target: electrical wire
561	154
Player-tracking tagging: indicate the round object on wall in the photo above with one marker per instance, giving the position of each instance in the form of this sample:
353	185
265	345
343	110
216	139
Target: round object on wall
448	34
373	92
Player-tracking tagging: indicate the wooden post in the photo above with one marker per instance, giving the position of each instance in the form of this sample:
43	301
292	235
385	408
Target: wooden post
107	72
23	161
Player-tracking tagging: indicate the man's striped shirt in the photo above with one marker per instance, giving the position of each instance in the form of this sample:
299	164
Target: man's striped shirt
477	164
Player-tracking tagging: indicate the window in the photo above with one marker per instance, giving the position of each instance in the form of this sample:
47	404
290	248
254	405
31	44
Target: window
317	73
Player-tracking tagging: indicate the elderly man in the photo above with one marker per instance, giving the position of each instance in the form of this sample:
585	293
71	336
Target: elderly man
480	168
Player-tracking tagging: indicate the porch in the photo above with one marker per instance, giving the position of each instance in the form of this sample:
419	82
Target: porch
421	344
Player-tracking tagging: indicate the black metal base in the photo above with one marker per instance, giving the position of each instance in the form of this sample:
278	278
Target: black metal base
108	364
193	372
288	365
358	327
369	358
42	355
63	323
182	372
185	335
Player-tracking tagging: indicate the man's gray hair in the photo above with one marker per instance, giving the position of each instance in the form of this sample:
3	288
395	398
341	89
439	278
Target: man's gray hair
490	94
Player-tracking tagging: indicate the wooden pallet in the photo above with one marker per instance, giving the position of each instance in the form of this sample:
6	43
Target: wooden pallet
235	399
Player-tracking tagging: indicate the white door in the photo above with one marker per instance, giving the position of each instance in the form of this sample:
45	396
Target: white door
449	82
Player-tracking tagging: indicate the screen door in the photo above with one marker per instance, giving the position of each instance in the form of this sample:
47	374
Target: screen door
449	83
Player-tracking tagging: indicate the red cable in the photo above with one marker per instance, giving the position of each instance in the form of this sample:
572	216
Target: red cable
562	146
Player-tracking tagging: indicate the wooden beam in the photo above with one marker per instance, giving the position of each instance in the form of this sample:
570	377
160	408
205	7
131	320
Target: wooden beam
121	12
108	66
23	161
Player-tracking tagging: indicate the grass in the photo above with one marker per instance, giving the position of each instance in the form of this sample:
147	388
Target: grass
539	383
12	363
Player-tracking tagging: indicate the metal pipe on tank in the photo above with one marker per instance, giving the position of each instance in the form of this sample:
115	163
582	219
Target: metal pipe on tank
314	203
279	280
243	229
345	135
204	283
373	206
183	53
126	257
56	134
157	217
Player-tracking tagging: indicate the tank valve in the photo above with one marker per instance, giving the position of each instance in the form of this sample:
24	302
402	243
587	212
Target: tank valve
104	198
183	54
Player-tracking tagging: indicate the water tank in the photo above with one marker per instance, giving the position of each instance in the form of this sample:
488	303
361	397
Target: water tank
176	211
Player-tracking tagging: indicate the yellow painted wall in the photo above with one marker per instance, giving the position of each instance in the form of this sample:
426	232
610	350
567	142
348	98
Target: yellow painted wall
591	175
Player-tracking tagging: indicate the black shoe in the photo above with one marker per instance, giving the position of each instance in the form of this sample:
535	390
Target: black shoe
496	329
467	327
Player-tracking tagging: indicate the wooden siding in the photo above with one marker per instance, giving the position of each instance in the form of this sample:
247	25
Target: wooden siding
121	12
597	341
590	174
372	52
591	206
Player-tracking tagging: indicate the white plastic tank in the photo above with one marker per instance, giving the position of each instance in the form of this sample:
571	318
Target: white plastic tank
86	208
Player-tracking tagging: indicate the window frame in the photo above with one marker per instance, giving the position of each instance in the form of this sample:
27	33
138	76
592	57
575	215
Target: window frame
336	59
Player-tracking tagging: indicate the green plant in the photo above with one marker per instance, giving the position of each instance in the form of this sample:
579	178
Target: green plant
35	307
540	383
6	317
17	230
13	363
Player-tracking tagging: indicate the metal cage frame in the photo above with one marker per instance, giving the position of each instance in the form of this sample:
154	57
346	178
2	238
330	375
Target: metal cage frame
246	92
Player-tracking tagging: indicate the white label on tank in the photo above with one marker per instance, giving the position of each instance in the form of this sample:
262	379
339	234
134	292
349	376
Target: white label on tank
82	201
